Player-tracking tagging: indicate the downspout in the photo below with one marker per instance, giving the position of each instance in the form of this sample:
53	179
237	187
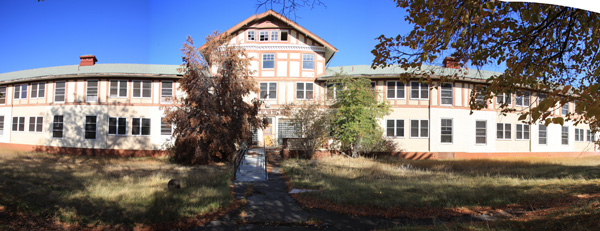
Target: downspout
429	122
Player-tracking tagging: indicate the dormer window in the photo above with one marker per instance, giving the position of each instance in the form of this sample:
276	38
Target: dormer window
274	35
264	36
250	35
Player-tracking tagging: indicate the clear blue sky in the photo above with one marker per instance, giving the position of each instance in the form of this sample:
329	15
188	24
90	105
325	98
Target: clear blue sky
56	32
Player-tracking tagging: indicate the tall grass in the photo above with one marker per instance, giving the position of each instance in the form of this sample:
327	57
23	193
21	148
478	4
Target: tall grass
122	192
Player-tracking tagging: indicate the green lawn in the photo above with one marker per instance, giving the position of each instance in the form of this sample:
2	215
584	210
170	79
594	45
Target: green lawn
533	184
109	192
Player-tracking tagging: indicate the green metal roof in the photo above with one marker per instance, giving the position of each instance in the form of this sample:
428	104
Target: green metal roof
395	70
75	71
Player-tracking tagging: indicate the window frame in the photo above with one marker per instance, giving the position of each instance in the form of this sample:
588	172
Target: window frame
85	127
442	94
20	121
420	129
141	126
563	108
38	89
484	132
395	128
522	132
54	126
395	90
505	96
306	60
504	130
260	36
281	32
524	97
564	135
545	136
88	97
265	59
116	133
305	90
20	91
442	131
141	89
164	99
3	95
268	95
579	135
36	124
248	35
2	125
274	34
64	94
419	90
169	125
119	88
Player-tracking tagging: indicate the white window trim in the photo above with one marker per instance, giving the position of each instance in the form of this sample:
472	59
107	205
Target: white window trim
141	90
262	63
504	131
522	132
161	123
546	136
3	94
141	119
562	107
65	94
117	126
52	128
420	136
524	95
20	91
35	124
451	91
581	138
420	96
313	61
451	130
395	90
87	86
269	97
288	35
119	81
163	99
561	135
253	36
271	35
395	128
304	91
486	133
24	124
268	35
3	121
85	122
504	98
37	91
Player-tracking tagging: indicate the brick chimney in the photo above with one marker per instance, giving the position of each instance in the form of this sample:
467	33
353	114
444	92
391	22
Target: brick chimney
451	62
88	60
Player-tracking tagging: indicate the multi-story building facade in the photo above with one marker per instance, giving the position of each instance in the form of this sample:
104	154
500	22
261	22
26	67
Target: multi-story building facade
117	108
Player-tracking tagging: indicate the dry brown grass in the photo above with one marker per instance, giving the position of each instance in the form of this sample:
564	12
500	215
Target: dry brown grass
111	192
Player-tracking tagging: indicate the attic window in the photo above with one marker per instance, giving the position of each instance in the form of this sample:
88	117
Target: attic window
250	35
284	35
274	35
264	36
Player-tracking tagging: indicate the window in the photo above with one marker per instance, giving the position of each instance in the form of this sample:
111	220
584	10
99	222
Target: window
503	98
118	88
2	94
142	88
395	128
91	93
140	126
395	90
264	36
250	35
308	61
446	94
18	124
523	99
38	90
481	132
268	61
274	35
419	90
90	127
284	35
589	132
333	89
565	135
579	134
1	125
165	128
565	109
59	91
268	90
541	97
503	131
373	85
20	91
166	92
304	90
543	134
419	128
36	124
57	126
522	131
446	131
117	126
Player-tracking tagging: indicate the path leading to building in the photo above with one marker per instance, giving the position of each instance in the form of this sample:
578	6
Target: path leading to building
269	206
253	167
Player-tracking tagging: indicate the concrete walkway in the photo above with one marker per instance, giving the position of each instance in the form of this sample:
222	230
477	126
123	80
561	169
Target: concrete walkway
253	166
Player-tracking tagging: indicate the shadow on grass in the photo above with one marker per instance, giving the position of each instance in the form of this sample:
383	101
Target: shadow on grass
57	187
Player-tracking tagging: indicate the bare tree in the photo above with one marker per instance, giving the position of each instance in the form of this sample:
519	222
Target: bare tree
287	8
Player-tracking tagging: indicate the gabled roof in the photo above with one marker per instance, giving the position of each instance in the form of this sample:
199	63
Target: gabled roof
98	70
331	50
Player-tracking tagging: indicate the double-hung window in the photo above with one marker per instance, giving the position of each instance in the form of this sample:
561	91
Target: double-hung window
304	90
274	35
542	134
308	61
91	94
36	124
523	99
333	90
503	131
268	61
166	92
589	134
1	125
446	131
140	126
250	34
564	135
18	124
481	132
579	134
118	88
419	90
419	128
165	127
268	90
2	94
90	127
20	91
503	98
564	110
522	131
395	128
479	94
38	90
142	89
395	90
446	94
59	91
263	36
117	126
58	126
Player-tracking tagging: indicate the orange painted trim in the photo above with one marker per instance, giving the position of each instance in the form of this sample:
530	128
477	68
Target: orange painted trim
84	151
